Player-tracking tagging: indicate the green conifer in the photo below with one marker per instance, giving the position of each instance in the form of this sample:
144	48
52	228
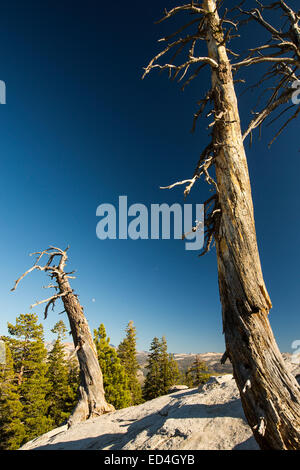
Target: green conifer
175	376
169	368
189	379
12	432
115	379
153	385
163	370
62	395
29	354
74	376
197	374
128	355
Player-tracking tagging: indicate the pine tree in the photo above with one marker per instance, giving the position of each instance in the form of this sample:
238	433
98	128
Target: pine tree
175	376
169	368
30	356
162	368
62	395
197	374
115	379
164	365
189	379
12	431
74	375
153	382
127	353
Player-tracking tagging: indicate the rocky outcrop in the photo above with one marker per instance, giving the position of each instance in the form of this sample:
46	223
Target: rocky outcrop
206	418
210	417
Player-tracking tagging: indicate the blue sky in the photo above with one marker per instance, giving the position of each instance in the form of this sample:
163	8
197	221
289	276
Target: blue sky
79	129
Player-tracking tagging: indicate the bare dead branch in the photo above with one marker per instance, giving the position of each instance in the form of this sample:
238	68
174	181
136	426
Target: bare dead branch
40	268
177	68
167	38
50	301
281	51
202	168
189	7
263	59
202	105
53	271
260	117
285	125
257	16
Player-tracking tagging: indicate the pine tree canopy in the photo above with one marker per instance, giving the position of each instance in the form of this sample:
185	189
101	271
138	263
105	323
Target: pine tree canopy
30	359
12	431
115	379
62	396
163	370
197	374
127	354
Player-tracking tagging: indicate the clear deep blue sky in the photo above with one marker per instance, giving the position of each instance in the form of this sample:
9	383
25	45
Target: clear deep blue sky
80	128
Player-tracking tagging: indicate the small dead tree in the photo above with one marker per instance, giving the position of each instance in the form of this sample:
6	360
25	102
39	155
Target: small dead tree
91	392
270	394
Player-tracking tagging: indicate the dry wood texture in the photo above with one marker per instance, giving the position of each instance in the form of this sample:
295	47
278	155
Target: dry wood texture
270	394
91	392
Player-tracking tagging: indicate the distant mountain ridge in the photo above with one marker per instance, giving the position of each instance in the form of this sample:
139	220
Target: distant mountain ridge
212	360
184	361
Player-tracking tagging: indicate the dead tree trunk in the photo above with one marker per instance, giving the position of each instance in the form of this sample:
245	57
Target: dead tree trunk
92	397
91	391
269	393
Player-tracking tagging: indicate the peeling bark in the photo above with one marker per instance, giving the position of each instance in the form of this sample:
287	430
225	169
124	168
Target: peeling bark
91	391
270	394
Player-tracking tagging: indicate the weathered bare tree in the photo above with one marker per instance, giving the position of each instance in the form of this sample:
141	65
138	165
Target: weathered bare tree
91	392
270	394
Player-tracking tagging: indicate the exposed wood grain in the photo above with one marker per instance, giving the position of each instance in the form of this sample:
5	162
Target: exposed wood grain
91	391
270	394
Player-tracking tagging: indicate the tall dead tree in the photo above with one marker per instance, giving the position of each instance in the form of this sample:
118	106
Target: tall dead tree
270	395
91	392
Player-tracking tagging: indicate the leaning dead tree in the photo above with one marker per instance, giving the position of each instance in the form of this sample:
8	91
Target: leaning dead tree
270	394
91	392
